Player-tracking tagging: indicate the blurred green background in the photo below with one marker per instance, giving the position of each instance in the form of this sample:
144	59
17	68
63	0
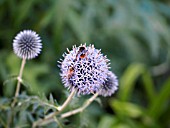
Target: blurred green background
135	36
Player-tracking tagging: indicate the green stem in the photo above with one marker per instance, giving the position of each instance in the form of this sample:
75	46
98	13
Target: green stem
19	81
20	77
52	115
81	109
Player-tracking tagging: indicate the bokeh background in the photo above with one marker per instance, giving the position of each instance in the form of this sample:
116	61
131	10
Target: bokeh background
135	36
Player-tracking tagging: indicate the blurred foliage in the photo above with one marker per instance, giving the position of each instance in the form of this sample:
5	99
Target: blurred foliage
134	34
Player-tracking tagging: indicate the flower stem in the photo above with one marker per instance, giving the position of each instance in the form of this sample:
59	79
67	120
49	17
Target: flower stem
52	115
81	109
19	81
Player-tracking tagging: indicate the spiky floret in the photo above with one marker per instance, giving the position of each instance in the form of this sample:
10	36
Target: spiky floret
84	68
110	85
27	44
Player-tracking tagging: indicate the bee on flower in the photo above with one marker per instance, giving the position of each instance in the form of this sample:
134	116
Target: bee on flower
86	69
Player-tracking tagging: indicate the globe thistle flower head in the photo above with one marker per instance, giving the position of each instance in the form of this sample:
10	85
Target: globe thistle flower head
27	44
110	85
84	68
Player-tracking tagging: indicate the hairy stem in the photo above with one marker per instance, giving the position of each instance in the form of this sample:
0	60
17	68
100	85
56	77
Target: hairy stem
19	78
19	81
52	115
78	110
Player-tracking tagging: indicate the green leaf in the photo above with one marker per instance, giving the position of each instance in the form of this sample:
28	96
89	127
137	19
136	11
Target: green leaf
107	121
128	79
11	78
51	99
149	86
159	103
127	109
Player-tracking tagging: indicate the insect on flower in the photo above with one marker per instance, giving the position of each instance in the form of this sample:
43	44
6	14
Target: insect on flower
70	72
82	53
84	68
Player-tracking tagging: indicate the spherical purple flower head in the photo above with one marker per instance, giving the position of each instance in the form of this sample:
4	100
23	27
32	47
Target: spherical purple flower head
84	68
27	44
110	85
